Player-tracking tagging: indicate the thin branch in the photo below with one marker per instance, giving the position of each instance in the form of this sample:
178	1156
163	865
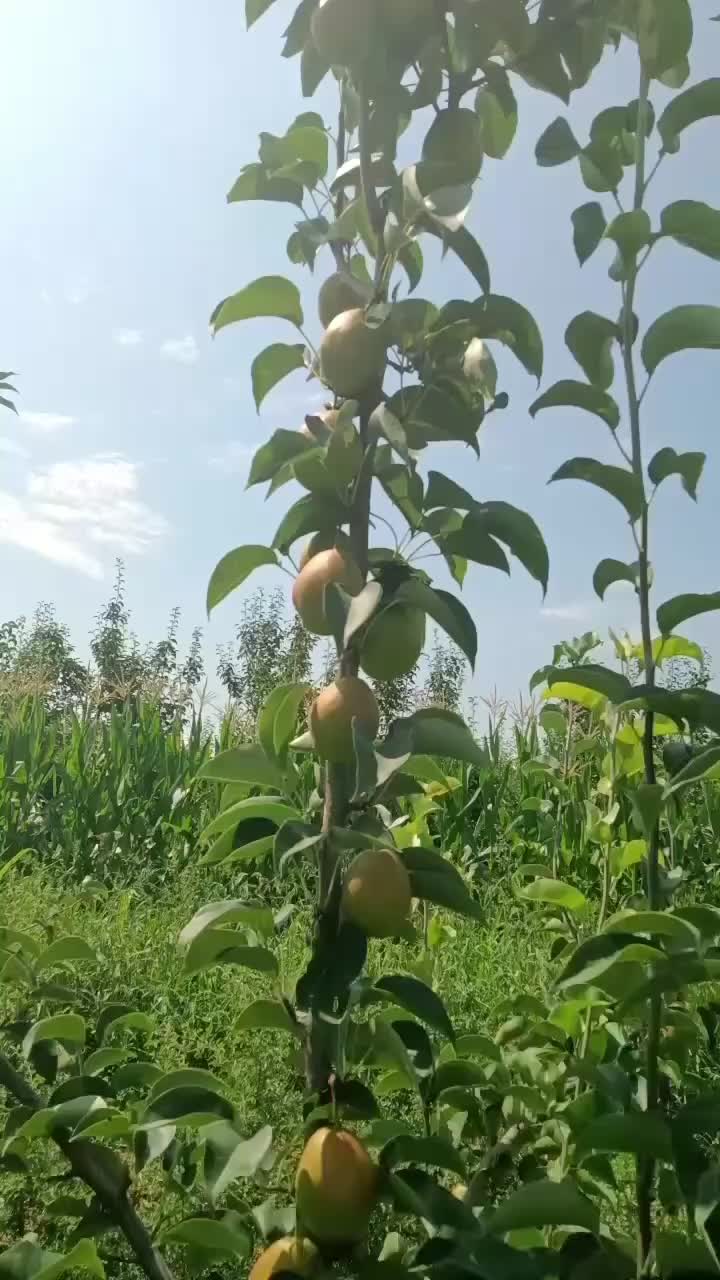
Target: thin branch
102	1171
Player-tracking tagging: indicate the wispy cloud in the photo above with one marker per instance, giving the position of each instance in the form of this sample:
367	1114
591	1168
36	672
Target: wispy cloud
577	611
46	423
12	449
127	337
71	509
182	350
234	458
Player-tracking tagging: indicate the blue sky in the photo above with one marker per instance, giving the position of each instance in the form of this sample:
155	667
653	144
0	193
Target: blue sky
121	129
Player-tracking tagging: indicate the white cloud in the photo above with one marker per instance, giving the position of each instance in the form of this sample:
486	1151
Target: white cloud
577	612
71	509
12	449
182	350
127	337
46	423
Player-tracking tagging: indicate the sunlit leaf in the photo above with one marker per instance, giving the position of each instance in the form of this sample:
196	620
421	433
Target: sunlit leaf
579	395
233	569
684	328
268	296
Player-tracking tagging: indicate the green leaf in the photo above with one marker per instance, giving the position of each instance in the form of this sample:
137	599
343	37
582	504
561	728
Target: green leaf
705	762
610	571
113	1016
637	1133
255	184
277	720
683	328
255	9
253	915
410	259
211	1236
247	763
305	141
65	951
27	1261
433	731
190	1105
617	481
68	1028
647	801
272	365
588	229
294	838
505	319
194	1077
696	103
229	1156
233	569
418	999
601	166
557	144
386	424
472	542
459	1074
545	1204
466	248
673	613
497	111
433	878
555	892
579	395
226	946
688	466
590	337
631	232
282	447
269	296
416	1192
408	1149
274	808
659	924
594	957
489	520
478	1046
267	1015
665	33
308	515
445	610
693	224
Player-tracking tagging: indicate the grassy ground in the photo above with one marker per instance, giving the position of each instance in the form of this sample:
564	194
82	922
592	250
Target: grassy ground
195	1017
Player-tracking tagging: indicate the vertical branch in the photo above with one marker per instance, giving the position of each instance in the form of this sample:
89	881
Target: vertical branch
338	777
646	1167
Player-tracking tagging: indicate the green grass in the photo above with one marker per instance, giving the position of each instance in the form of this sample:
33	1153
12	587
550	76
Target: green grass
135	938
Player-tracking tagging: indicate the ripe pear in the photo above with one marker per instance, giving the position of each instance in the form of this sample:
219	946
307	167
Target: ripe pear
393	642
377	893
454	143
325	542
343	30
332	714
341	292
308	591
292	1253
335	1187
352	354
